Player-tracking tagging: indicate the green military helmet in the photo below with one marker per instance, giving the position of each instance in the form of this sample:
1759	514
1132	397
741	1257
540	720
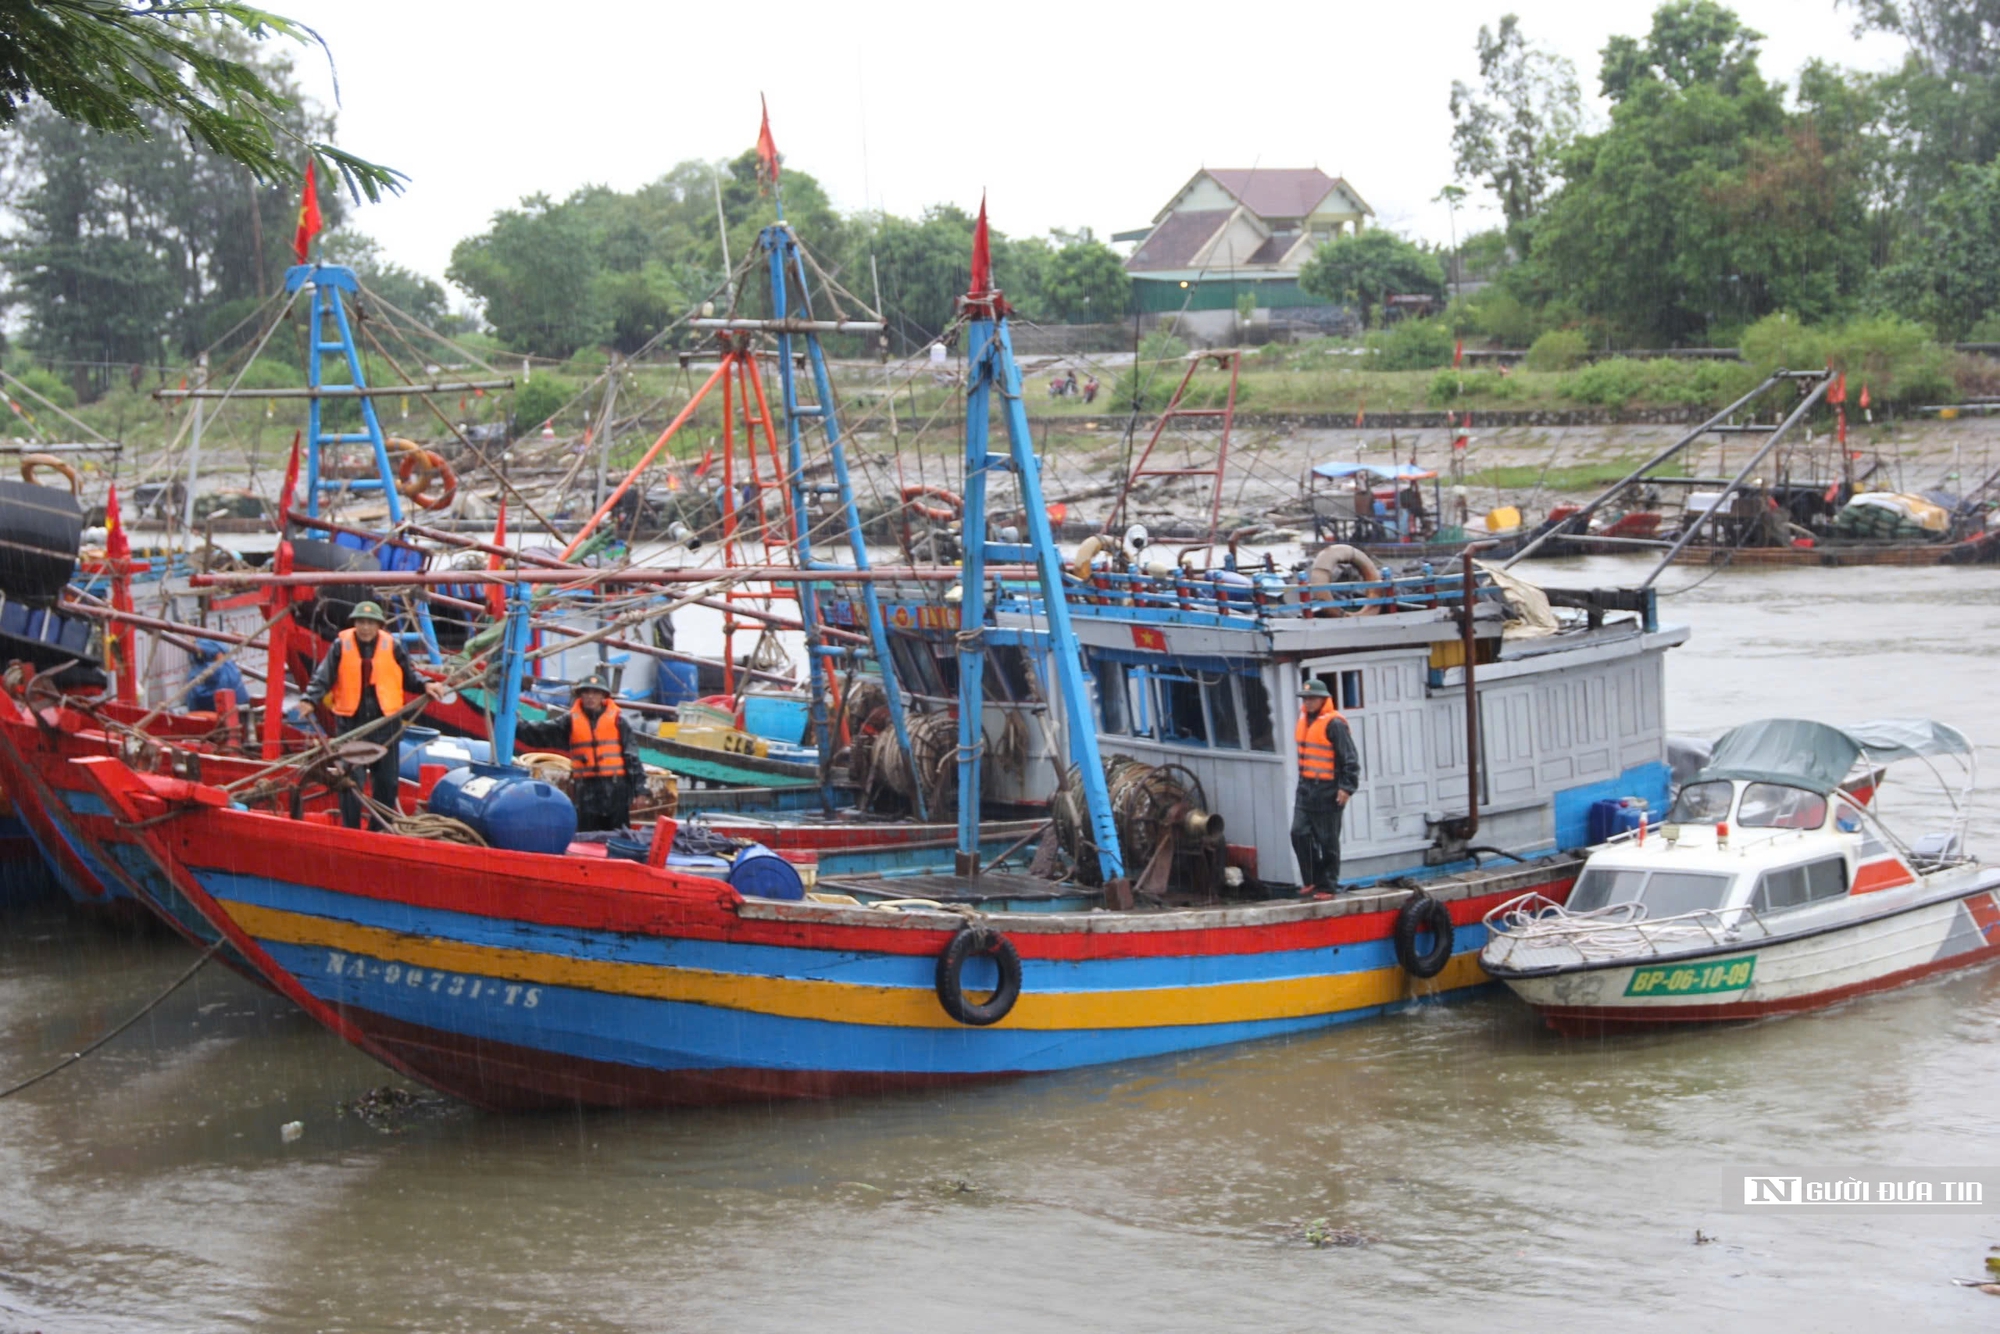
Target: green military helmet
592	682
367	611
1315	689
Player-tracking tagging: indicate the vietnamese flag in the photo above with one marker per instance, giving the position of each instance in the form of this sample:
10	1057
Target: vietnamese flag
1148	638
309	218
117	546
767	148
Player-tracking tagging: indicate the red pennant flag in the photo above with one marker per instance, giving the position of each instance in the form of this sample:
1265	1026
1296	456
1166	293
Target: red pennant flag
1359	413
1458	353
117	546
982	256
1838	394
291	481
309	219
701	469
1864	396
496	596
767	148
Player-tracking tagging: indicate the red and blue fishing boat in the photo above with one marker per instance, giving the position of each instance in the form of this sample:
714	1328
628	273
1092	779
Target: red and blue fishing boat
540	976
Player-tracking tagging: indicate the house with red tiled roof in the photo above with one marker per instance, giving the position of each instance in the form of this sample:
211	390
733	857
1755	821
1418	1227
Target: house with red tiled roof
1228	231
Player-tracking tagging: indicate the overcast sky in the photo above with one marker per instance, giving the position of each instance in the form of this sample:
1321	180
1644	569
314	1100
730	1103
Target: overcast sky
1067	115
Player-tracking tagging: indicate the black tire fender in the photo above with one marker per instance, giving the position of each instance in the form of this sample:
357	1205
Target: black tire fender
978	942
1420	913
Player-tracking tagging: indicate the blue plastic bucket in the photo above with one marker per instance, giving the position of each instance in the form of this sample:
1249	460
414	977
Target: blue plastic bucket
761	873
676	682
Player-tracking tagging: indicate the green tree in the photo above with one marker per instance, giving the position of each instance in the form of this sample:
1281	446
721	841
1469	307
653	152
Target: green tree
1085	282
1949	275
1704	203
134	69
123	241
537	273
1510	133
1366	268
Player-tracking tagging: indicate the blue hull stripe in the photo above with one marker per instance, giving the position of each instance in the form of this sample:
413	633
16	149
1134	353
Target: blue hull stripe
870	969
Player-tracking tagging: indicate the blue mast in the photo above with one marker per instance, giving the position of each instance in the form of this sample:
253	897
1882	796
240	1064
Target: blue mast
328	281
788	274
991	369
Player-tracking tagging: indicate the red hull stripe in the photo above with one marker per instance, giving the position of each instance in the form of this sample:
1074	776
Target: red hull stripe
621	896
1589	1021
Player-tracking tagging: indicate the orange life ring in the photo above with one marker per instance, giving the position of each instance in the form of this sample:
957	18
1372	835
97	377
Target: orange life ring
1326	562
33	463
945	513
413	478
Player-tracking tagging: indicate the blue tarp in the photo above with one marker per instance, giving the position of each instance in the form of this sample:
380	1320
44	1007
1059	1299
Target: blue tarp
1395	472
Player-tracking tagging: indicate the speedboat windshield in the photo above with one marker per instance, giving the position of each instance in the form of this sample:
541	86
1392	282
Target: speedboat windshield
1704	803
1776	806
1664	893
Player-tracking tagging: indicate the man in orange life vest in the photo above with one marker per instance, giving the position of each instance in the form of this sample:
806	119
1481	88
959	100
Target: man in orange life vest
366	675
1329	771
604	769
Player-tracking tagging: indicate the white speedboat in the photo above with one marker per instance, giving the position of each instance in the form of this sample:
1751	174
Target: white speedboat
1774	886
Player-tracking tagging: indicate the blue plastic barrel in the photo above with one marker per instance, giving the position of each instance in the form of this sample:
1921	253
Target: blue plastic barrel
761	873
676	682
507	807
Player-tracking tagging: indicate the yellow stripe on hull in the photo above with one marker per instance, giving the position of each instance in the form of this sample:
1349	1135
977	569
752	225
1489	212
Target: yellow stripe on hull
851	1003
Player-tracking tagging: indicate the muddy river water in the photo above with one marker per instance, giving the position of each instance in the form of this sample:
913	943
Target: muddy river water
1497	1177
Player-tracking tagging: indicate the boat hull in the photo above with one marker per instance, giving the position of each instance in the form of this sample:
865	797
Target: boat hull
519	981
1753	979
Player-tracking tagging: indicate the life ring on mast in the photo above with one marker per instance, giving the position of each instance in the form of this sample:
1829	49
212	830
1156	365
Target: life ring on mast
415	470
978	942
33	463
1421	912
952	508
1326	563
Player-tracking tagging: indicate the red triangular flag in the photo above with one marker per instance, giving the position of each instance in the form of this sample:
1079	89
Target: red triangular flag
1458	352
1838	394
117	546
982	255
767	148
1864	396
309	219
496	596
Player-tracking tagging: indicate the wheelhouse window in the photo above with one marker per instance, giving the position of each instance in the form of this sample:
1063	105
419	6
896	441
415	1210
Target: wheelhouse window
1257	709
1796	886
1112	705
1776	806
1223	728
1664	893
1703	803
1600	887
1181	717
1671	893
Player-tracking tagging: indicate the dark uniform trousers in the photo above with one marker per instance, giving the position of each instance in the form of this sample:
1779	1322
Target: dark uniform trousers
1316	814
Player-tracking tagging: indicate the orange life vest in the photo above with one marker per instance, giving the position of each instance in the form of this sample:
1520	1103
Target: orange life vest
1318	761
594	750
386	675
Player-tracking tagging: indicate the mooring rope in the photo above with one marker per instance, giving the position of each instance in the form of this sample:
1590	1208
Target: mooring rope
151	1005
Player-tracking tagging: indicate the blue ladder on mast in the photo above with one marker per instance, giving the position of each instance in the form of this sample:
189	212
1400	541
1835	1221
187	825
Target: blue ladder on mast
991	369
327	282
788	275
